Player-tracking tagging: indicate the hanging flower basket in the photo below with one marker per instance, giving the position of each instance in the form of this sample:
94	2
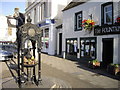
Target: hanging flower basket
88	24
117	21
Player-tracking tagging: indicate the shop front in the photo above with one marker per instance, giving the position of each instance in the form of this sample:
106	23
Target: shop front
71	48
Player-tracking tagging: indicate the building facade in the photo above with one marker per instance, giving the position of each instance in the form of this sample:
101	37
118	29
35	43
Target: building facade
46	14
102	42
7	33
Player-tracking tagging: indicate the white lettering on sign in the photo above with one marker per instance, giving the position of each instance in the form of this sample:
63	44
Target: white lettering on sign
107	30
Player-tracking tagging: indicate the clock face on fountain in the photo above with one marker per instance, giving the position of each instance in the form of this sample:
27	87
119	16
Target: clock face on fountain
31	32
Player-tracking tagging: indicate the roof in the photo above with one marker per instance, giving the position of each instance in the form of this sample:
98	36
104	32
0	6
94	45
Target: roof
74	3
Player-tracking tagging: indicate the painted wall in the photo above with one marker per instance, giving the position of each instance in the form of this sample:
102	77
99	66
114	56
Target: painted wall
119	49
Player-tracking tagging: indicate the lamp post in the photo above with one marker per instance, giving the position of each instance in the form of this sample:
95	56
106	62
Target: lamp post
20	20
91	21
90	16
25	32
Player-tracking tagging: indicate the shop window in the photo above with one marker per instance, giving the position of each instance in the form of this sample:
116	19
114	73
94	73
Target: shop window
42	33
78	21
47	32
88	47
45	42
45	38
72	46
107	13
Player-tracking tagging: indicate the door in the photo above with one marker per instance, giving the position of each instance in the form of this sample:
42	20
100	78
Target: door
107	51
60	44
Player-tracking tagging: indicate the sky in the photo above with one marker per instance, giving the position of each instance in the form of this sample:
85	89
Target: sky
7	8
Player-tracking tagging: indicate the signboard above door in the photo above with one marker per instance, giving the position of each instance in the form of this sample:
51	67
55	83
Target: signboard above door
106	30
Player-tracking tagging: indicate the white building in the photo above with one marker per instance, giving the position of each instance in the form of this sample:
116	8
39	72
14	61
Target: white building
47	14
103	43
7	33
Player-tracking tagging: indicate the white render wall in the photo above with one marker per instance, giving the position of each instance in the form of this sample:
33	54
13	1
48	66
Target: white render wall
52	40
118	49
4	29
115	47
54	12
88	8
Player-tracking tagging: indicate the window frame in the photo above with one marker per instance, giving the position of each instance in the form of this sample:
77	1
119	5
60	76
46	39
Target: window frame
76	21
103	22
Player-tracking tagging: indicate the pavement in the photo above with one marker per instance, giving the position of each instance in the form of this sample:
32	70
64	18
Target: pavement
82	72
62	73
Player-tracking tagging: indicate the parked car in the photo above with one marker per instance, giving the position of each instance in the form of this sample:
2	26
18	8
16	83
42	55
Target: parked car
5	55
10	48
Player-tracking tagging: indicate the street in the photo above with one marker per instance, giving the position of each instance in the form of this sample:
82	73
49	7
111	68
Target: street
60	44
60	73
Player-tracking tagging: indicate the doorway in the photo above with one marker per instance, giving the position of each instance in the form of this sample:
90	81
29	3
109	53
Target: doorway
107	51
60	44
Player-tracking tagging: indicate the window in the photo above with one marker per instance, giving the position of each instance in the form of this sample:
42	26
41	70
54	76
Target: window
88	47
43	10
47	32
71	46
35	15
45	38
40	13
107	13
78	21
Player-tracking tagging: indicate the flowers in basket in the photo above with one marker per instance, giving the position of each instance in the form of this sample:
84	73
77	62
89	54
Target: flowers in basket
30	61
118	20
88	24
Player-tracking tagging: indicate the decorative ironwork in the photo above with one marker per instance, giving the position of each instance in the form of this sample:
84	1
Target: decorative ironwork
29	37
